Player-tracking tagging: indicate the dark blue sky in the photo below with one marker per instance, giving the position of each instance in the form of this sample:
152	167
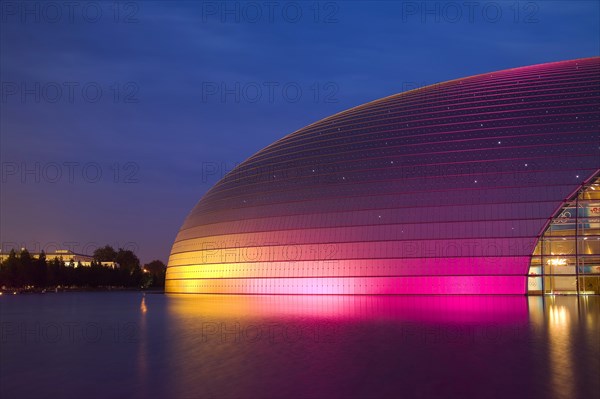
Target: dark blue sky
115	121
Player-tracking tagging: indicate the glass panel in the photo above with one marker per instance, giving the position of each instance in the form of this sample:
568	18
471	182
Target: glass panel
567	256
559	265
534	285
535	270
589	285
564	246
560	284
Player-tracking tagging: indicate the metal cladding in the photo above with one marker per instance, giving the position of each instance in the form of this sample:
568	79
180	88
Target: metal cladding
440	190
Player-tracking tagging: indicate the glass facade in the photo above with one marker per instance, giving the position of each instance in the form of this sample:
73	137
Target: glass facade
566	259
441	190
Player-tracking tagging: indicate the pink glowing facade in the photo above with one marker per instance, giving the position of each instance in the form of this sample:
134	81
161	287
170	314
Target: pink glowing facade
442	190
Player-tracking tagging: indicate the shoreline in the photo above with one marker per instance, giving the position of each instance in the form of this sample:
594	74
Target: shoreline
56	290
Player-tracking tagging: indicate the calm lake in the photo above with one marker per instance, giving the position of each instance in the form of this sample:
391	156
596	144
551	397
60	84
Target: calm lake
130	344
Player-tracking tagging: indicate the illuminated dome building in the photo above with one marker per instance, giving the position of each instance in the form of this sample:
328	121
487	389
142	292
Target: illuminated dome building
483	185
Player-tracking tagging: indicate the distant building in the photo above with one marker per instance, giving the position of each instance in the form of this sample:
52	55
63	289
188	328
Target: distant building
70	258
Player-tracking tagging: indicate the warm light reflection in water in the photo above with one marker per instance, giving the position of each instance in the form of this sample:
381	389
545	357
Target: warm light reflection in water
142	359
191	346
561	363
532	337
568	322
143	307
468	309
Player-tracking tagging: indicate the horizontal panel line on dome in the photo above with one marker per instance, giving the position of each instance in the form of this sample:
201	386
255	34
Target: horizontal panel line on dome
220	255
347	208
248	239
376	276
303	134
422	133
419	135
583	93
408	127
425	134
524	72
405	157
358	176
566	256
194	245
402	101
485	83
468	86
458	97
276	294
212	249
546	69
414	267
198	252
495	160
582	124
457	283
337	211
418	95
391	146
387	141
240	227
314	294
200	279
412	193
398	240
322	164
237	228
404	163
323	133
251	253
352	276
397	261
447	112
223	252
349	183
592	112
581	275
332	141
364	276
394	265
421	139
335	134
196	210
398	170
363	225
232	176
183	237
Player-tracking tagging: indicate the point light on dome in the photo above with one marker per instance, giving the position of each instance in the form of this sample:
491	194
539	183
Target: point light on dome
464	187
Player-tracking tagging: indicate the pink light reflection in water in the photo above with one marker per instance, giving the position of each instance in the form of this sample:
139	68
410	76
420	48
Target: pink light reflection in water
428	309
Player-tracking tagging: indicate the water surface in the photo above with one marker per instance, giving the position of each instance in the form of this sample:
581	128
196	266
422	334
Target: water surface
127	344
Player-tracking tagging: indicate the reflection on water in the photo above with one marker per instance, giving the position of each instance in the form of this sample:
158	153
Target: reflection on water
143	349
561	363
570	325
143	306
154	345
468	309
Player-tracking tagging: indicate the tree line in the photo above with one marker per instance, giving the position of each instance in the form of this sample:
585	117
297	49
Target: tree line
22	270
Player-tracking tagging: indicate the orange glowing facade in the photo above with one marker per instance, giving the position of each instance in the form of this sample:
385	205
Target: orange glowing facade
483	185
